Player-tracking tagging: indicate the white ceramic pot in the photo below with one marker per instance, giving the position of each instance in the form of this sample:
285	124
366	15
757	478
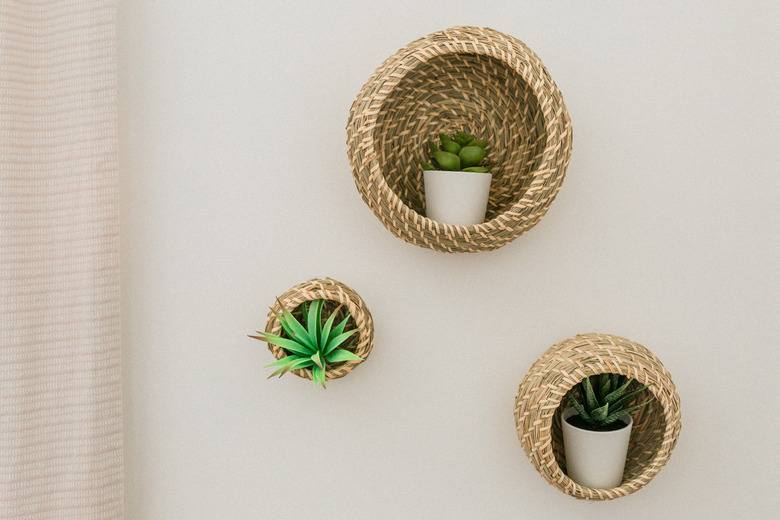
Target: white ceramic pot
595	459
456	197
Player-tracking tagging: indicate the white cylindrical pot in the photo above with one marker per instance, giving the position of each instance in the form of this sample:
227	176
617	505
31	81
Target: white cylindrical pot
595	459
458	198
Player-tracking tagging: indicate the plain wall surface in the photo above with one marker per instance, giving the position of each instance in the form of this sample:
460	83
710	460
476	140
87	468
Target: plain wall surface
237	186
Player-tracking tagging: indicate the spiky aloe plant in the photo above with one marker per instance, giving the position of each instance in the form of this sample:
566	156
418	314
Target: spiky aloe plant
314	346
460	152
604	403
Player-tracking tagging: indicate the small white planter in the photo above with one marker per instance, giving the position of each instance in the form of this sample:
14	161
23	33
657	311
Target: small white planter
595	459
458	198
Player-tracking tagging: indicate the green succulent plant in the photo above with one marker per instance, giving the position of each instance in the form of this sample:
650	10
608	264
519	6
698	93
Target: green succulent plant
460	152
314	346
604	403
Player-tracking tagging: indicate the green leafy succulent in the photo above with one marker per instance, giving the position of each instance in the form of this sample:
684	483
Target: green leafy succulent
460	152
605	402
314	346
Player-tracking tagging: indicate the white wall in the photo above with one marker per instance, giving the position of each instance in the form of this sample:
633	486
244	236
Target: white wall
237	186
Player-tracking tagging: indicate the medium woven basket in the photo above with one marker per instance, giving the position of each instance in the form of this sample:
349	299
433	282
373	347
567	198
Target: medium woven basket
541	399
463	78
335	293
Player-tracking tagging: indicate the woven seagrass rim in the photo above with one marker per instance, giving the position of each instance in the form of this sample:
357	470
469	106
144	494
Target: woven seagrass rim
469	78
540	401
336	293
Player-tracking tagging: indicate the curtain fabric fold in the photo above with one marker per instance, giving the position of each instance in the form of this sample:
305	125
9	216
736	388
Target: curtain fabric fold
60	392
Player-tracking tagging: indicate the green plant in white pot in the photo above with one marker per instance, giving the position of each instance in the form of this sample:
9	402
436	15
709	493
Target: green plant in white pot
597	429
457	180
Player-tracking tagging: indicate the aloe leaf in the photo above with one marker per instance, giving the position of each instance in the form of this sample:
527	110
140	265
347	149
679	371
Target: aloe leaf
600	413
580	409
615	395
603	386
284	365
620	402
284	361
318	376
591	403
340	354
325	336
338	340
620	413
286	328
288	344
314	322
339	328
297	330
304	312
277	373
317	358
615	380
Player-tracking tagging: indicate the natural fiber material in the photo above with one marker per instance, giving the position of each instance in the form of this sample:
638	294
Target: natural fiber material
60	388
463	78
336	293
541	399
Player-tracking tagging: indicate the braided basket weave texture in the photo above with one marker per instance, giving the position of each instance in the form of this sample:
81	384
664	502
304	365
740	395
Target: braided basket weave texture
463	78
542	397
335	293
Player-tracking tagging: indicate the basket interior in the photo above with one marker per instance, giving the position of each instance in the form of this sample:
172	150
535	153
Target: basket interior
459	91
647	434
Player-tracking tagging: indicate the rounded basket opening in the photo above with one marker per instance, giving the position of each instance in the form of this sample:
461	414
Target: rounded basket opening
334	293
471	79
647	432
453	92
541	399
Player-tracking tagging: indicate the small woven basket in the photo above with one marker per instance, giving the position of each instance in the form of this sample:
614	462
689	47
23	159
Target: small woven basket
335	293
541	400
463	78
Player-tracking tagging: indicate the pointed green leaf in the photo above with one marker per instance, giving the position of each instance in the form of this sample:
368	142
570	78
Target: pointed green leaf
600	413
304	312
338	340
288	344
314	321
317	358
318	376
339	328
340	355
590	398
325	336
612	397
580	409
623	400
603	386
286	360
285	327
620	413
297	330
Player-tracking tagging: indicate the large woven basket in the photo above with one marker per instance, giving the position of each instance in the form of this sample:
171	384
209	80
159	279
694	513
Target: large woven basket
541	399
463	78
335	293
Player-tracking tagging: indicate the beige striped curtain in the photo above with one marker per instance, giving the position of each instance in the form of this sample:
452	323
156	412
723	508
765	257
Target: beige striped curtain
60	393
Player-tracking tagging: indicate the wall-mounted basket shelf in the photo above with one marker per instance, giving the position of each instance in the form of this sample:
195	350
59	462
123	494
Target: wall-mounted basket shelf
463	78
541	399
335	293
